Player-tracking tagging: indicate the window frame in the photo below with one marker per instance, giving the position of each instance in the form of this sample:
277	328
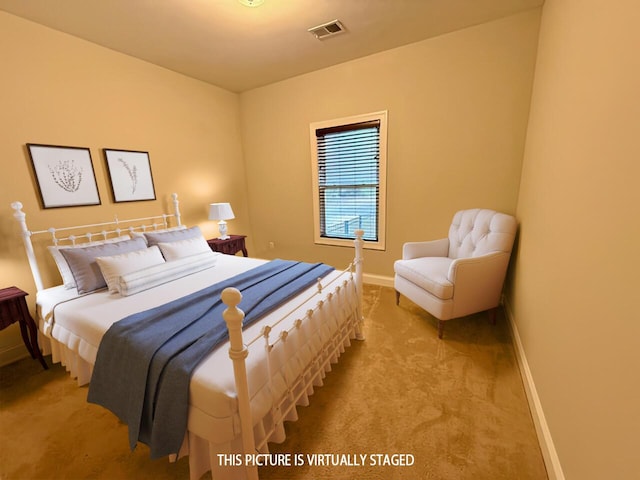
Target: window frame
381	117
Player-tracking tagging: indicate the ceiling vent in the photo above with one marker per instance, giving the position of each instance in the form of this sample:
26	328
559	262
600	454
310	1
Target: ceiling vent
327	30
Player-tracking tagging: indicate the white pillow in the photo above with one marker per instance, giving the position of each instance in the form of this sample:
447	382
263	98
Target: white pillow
114	266
141	280
84	267
63	267
183	248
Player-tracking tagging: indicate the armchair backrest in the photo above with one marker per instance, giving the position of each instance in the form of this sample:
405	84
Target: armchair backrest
480	231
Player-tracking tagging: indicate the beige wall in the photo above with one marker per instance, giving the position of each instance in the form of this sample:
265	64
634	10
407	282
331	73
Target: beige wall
458	107
575	289
57	89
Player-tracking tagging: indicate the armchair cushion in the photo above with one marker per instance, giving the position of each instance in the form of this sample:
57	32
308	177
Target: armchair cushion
429	273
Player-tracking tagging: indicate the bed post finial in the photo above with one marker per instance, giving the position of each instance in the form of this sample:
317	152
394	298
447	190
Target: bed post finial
359	245
176	208
238	351
20	216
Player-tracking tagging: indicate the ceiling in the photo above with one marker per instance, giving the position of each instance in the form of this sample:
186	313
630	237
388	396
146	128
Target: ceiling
238	48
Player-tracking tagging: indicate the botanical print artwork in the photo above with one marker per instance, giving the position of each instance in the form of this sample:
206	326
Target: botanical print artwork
133	174
64	175
130	175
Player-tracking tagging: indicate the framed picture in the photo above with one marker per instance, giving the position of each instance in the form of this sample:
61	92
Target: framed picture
64	175
130	174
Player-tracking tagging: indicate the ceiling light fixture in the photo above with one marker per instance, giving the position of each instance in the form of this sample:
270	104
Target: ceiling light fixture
251	3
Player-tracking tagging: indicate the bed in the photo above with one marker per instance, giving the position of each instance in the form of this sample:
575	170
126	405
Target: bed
240	393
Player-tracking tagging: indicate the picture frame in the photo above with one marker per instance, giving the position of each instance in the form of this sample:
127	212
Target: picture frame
64	175
130	175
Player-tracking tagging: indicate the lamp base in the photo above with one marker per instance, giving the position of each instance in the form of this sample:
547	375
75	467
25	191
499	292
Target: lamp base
222	228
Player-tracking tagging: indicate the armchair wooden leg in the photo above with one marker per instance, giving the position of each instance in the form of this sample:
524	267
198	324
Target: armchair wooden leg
440	328
397	297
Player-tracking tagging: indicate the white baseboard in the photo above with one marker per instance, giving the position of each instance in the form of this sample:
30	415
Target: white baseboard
380	280
549	454
13	354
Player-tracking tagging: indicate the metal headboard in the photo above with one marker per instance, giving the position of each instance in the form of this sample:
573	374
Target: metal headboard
115	227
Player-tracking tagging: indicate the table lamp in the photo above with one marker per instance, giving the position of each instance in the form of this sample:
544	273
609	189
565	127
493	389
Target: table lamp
221	212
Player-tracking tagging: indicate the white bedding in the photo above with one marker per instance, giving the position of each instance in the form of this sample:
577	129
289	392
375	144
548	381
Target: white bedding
76	327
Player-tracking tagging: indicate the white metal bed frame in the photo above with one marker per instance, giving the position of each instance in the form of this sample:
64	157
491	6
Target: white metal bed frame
233	316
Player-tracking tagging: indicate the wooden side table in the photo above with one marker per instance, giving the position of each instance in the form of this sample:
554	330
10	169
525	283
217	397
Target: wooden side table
229	246
13	308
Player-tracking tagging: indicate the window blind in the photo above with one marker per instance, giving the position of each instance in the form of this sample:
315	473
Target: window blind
349	179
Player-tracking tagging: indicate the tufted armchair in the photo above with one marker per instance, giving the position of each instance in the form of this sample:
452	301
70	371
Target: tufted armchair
462	274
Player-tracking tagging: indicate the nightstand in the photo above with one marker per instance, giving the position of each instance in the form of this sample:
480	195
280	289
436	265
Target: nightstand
13	308
229	246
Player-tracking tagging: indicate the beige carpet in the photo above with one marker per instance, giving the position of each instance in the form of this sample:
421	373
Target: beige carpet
456	406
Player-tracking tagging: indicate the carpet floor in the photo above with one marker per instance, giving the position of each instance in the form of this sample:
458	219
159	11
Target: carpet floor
449	409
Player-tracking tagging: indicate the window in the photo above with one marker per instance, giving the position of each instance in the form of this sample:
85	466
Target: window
349	177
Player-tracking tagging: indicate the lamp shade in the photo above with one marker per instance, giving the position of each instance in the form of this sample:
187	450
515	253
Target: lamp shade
220	211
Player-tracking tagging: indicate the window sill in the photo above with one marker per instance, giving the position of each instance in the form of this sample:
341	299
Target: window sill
337	242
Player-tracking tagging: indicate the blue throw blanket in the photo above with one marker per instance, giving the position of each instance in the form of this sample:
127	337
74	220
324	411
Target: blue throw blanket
145	361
